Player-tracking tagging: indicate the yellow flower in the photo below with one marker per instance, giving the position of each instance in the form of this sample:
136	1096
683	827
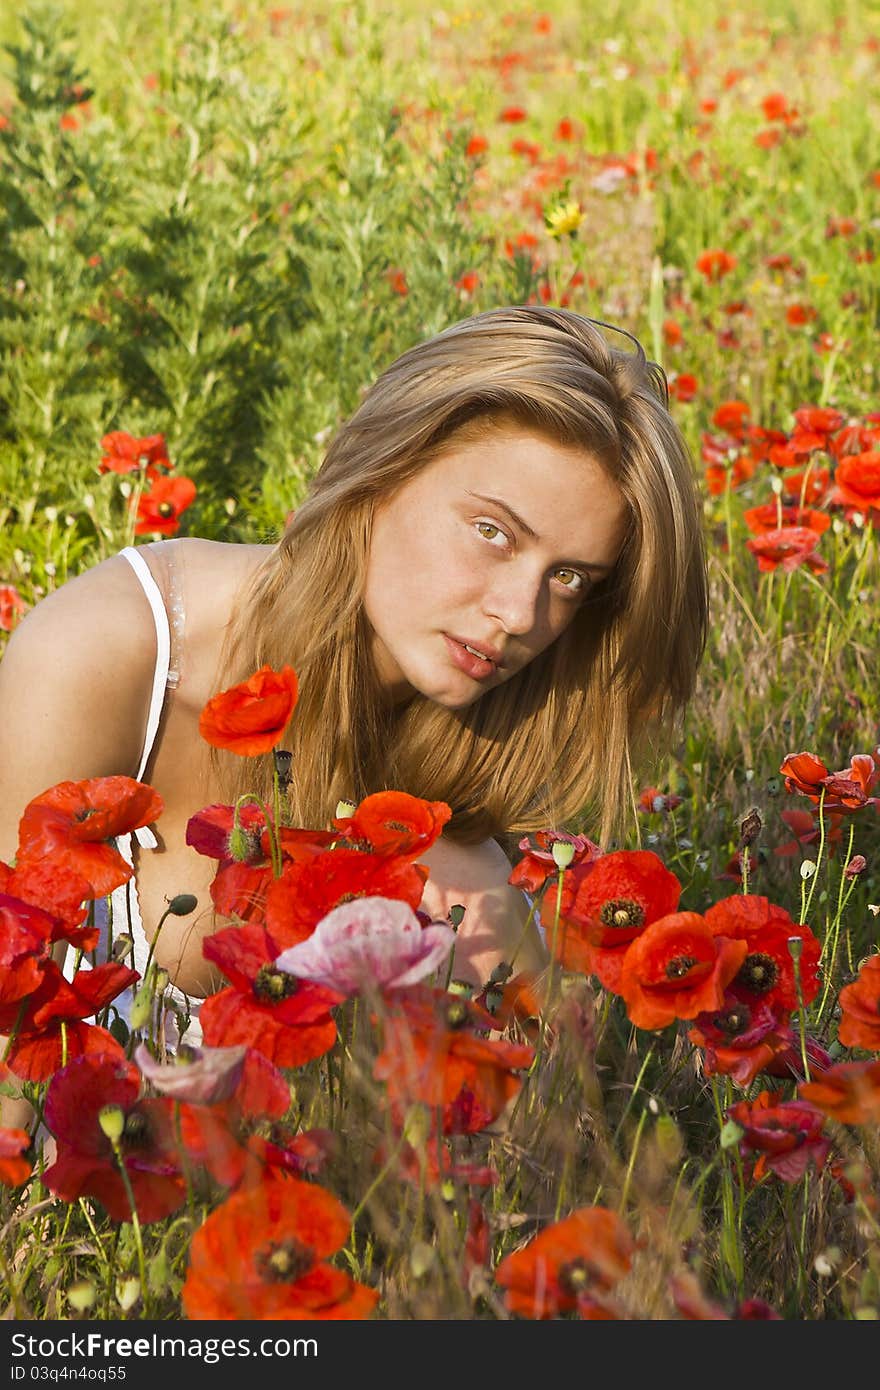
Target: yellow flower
564	219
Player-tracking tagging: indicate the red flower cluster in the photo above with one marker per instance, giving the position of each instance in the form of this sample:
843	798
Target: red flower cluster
433	1055
65	857
161	504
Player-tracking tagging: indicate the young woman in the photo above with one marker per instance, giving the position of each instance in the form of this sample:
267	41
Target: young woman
495	587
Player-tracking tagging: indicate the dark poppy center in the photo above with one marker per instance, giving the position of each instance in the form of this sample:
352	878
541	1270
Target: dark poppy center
397	825
457	1014
622	912
758	973
284	1261
165	509
734	1021
273	986
679	966
574	1277
136	1130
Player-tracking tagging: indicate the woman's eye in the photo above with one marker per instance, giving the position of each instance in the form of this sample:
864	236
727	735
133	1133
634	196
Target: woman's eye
574	582
489	526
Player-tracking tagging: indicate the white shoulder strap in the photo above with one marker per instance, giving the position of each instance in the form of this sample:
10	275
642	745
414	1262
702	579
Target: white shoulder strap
144	835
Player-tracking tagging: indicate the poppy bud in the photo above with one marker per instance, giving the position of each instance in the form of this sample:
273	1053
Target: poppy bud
141	1007
128	1291
455	915
122	945
422	1258
240	844
563	853
182	904
417	1125
81	1295
856	865
112	1122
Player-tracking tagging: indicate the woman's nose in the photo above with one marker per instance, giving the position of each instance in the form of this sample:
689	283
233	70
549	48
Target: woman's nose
513	602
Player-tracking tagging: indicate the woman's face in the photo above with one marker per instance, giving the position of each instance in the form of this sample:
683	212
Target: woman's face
495	545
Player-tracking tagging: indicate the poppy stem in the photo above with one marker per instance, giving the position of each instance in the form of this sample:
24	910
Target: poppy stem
807	898
135	1224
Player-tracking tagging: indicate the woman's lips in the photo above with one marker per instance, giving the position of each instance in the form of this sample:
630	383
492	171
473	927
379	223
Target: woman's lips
473	666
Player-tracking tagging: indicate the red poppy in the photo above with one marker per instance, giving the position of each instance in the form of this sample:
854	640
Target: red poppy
160	508
849	1092
210	832
775	106
225	1138
565	130
568	1266
677	969
125	453
261	1257
605	906
767	973
286	1019
683	387
57	890
848	790
732	416
769	517
513	114
822	419
798	314
86	1165
840	226
12	606
308	889
808	486
14	1167
52	1027
522	1000
762	442
715	264
857	481
396	278
468	282
73	821
721	477
25	934
251	717
431	1054
786	1134
804	772
860	1004
478	144
787	547
395	823
537	864
744	1039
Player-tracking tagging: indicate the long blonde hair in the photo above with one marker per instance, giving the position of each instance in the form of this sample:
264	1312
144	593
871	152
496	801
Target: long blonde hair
553	745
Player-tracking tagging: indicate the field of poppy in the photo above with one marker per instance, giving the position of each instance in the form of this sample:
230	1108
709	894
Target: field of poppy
218	223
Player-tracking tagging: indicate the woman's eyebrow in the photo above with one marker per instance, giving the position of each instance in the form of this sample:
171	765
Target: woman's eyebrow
533	535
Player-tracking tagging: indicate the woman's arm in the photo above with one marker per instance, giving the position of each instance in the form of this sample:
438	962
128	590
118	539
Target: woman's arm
75	682
493	928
